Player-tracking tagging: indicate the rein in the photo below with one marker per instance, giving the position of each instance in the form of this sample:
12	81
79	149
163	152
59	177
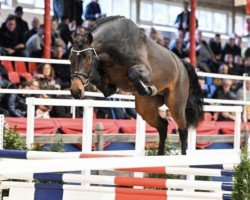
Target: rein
77	73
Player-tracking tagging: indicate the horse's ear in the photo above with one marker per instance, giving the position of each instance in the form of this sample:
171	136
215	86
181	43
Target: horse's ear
90	38
71	39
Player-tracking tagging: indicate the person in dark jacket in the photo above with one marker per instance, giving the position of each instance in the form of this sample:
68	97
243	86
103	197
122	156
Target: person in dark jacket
62	72
215	45
35	27
63	29
10	38
182	21
22	26
93	11
15	103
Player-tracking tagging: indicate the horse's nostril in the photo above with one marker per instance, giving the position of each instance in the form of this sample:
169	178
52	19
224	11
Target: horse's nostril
79	94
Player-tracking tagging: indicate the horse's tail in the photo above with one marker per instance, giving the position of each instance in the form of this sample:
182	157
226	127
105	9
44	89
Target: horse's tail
194	108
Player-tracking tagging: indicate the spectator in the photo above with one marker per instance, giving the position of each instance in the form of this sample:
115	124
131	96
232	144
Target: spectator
22	26
215	45
35	27
205	58
238	43
11	39
182	21
63	29
246	68
46	77
153	34
178	35
166	42
230	47
62	72
247	51
15	103
204	87
93	11
55	37
178	49
35	43
223	69
238	62
225	92
233	69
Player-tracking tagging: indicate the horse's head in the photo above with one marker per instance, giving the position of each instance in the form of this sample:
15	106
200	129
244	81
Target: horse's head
82	59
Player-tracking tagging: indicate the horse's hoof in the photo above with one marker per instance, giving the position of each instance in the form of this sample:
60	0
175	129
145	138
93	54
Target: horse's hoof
153	90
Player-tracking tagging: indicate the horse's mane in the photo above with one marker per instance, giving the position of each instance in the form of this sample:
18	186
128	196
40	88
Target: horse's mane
101	21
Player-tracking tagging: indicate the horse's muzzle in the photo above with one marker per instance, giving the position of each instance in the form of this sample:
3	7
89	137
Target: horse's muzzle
77	94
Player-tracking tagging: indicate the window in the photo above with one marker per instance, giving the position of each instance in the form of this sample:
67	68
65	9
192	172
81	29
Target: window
106	6
133	10
146	11
160	13
204	18
239	25
219	22
173	11
26	1
121	7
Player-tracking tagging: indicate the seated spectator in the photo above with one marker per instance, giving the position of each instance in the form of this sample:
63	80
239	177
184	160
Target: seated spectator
246	68
205	54
63	29
22	26
182	21
153	34
238	62
62	72
178	49
35	27
55	36
10	39
45	76
238	45
15	104
178	36
233	69
204	87
34	45
225	92
215	45
230	47
93	11
247	51
223	69
166	42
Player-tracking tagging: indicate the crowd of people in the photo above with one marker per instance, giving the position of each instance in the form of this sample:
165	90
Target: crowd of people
17	39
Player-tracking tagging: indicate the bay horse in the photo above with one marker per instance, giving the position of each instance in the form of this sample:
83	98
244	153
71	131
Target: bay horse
115	54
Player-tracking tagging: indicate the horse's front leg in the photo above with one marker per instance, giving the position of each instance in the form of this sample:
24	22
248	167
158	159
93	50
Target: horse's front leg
139	75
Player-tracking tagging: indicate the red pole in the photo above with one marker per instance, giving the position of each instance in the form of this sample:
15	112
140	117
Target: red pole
47	30
192	33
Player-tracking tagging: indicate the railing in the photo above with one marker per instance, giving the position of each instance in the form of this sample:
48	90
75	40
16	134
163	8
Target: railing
88	106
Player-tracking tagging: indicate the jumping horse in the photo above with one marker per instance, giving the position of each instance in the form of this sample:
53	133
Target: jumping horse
115	54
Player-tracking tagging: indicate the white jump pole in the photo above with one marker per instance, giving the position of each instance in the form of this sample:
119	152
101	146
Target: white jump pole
1	130
30	122
237	131
140	136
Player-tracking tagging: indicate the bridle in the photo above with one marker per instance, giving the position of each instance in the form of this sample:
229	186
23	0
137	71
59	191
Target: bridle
77	73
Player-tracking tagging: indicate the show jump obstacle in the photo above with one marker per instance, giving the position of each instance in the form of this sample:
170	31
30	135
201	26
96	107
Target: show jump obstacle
66	176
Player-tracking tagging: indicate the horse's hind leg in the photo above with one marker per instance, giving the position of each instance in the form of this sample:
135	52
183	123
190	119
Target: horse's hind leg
183	133
147	107
138	75
176	102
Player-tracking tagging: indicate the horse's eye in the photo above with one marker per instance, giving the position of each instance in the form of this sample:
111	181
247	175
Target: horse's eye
88	59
